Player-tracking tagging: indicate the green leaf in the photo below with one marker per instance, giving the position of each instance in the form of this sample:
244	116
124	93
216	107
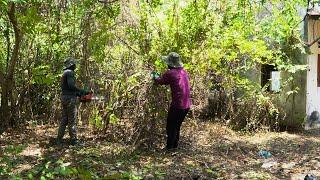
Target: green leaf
4	2
30	176
60	161
47	164
50	175
17	1
210	171
84	174
62	171
113	119
16	178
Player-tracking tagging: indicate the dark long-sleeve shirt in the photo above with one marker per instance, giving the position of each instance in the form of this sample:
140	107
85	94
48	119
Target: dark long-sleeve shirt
178	79
68	84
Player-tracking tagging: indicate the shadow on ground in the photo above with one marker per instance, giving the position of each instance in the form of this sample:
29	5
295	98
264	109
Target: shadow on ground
207	151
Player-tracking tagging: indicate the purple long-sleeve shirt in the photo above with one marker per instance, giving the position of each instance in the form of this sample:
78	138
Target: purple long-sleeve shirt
178	79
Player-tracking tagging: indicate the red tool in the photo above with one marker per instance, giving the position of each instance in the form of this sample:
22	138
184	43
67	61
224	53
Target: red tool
90	97
87	97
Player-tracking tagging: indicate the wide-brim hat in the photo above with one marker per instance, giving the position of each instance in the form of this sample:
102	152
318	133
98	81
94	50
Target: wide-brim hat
70	61
173	60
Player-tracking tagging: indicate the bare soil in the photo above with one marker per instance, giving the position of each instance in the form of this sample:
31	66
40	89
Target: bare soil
207	151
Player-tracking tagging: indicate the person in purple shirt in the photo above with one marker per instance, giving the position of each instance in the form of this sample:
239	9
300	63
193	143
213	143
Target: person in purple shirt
178	79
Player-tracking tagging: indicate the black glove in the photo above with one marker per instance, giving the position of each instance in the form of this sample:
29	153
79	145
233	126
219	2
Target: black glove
83	92
87	92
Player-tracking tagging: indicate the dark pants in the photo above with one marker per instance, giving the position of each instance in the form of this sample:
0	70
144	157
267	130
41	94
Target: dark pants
69	116
174	121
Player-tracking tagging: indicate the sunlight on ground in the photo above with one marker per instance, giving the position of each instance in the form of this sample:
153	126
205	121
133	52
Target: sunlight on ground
207	150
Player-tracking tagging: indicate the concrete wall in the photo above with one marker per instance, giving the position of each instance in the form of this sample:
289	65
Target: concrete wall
294	105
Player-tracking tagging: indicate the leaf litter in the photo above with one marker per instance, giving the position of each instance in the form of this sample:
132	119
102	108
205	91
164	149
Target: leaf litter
207	151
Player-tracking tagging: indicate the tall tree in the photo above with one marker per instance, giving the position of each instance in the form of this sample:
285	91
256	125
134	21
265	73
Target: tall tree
7	75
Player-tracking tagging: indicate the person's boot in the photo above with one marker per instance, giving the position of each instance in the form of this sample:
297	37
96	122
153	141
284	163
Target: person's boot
59	141
76	142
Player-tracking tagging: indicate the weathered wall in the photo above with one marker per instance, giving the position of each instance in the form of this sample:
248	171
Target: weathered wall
294	105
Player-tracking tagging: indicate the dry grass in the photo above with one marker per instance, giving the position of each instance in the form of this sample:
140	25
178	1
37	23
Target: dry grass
208	150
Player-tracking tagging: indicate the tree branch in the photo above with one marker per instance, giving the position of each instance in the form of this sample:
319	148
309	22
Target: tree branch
17	36
125	43
107	2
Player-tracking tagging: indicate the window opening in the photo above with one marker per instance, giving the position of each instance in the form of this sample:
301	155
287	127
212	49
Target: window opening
270	78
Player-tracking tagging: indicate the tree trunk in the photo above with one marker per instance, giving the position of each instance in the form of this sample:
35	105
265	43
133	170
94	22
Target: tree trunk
4	107
85	49
8	78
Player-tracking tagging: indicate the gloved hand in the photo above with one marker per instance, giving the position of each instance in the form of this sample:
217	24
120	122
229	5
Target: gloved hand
83	92
87	90
86	95
155	75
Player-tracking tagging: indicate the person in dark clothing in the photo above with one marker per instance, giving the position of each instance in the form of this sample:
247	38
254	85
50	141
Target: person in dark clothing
178	79
69	102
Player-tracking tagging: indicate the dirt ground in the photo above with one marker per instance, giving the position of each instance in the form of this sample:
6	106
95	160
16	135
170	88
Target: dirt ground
207	151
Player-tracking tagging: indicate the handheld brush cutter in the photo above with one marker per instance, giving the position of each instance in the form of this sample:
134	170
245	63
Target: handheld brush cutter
90	97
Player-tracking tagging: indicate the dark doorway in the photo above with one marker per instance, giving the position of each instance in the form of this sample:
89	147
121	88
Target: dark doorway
266	70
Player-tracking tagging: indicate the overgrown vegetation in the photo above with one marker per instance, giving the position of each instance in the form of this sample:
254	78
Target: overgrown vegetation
118	44
222	43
